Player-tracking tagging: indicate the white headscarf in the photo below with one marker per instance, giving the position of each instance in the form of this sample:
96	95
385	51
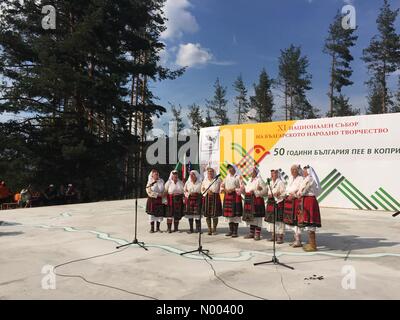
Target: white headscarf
300	170
237	174
279	177
314	176
257	170
150	177
198	176
171	174
205	174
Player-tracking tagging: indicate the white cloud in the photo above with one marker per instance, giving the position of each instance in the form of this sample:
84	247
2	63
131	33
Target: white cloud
193	54
180	20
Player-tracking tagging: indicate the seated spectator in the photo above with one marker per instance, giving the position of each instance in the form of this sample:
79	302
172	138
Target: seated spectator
26	197
50	196
37	198
71	196
61	195
5	193
17	197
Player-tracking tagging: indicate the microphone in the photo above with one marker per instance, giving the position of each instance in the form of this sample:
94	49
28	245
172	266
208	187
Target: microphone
268	181
396	214
217	176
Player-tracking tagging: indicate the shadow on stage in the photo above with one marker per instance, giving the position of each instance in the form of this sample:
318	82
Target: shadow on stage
335	241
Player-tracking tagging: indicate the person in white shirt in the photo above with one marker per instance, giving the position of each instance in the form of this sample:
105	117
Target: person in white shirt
174	193
154	206
232	207
254	205
212	208
291	204
275	202
193	199
309	216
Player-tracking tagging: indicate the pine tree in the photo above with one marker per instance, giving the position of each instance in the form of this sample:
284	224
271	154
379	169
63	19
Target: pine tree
383	56
263	100
208	121
337	46
195	117
396	107
342	107
242	104
219	104
375	99
177	117
295	81
73	85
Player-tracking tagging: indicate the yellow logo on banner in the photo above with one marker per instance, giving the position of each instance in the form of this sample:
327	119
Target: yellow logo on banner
247	145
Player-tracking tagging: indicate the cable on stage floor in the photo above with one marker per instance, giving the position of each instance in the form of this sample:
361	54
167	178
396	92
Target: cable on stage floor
98	283
228	285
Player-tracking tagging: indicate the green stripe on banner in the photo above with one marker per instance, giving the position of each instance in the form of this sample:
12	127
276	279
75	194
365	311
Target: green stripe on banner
239	149
331	181
327	178
380	203
323	196
348	197
223	169
361	194
355	196
390	197
386	201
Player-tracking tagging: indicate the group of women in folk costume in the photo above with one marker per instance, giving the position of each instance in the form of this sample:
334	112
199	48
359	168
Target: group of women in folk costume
294	205
174	200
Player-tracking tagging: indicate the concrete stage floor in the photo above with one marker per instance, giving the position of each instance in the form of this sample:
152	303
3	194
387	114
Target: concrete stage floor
363	244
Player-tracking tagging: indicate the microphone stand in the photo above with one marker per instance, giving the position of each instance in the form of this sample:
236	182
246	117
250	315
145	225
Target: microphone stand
200	249
141	244
274	259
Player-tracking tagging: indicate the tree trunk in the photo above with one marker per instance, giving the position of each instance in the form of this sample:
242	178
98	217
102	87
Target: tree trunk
286	101
384	88
332	84
239	121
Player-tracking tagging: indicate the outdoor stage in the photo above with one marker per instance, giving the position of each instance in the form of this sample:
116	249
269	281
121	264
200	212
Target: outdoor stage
33	238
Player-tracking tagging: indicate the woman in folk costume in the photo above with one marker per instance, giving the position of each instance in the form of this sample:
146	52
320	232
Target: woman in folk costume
276	198
174	191
233	207
309	216
291	203
193	200
254	205
212	208
154	205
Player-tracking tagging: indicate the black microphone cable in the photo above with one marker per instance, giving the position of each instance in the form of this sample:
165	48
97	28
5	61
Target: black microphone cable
98	283
228	285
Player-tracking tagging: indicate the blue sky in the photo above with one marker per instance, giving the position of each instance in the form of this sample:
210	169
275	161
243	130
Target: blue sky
223	38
